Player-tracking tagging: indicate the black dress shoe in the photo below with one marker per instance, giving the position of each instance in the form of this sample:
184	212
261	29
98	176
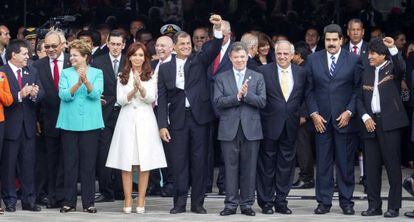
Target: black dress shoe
11	208
409	214
407	185
361	180
348	211
267	210
66	209
31	207
198	210
177	210
282	209
322	209
371	212
391	213
166	191
91	210
222	192
248	212
302	184
42	201
227	212
102	199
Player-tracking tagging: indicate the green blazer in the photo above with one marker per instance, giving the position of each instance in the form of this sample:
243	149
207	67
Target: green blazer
81	111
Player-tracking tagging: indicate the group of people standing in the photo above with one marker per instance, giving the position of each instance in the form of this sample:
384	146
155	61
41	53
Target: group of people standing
127	112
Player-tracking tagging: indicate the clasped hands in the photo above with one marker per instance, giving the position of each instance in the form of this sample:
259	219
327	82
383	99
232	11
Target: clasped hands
29	90
243	90
319	121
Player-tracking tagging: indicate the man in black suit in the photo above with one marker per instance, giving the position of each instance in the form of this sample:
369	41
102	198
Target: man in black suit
111	64
184	114
312	39
381	109
4	41
20	128
239	94
220	64
49	69
285	90
334	76
252	42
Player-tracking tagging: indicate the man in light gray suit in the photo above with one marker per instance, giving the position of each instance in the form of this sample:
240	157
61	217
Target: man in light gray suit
239	94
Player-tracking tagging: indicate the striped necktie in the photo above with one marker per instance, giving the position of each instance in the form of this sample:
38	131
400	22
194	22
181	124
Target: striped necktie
333	65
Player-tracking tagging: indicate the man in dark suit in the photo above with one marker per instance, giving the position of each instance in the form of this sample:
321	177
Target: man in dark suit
163	49
239	94
184	114
252	42
334	76
111	64
285	90
49	69
312	39
381	109
20	128
220	64
4	41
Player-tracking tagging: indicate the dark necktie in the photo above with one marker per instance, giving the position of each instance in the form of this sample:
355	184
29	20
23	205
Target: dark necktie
56	74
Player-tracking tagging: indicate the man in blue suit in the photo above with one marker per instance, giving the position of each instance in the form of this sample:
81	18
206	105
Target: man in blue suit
20	128
334	75
285	91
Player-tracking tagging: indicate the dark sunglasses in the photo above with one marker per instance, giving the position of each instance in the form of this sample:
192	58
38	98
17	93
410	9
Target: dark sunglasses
53	46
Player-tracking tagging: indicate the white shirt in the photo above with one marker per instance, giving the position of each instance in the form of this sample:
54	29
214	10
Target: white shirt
289	75
313	49
242	72
60	61
329	58
159	63
3	56
359	45
94	49
375	101
14	69
224	49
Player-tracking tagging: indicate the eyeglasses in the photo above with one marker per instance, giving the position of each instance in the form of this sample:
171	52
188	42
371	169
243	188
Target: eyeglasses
116	44
53	46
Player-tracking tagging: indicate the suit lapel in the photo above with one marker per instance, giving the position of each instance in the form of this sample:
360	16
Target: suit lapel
276	81
187	66
324	63
11	77
231	80
108	63
295	79
339	63
49	75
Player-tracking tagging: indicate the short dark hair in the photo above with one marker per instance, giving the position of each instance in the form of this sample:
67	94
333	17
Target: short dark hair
237	46
179	34
141	32
96	38
85	33
333	28
355	20
15	46
302	49
377	45
116	33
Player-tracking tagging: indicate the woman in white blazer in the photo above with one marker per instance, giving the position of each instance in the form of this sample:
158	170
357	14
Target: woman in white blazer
136	141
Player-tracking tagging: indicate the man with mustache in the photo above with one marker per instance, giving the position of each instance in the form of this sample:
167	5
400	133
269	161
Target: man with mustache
334	75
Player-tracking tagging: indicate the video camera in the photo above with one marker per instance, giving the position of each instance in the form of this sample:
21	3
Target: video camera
59	22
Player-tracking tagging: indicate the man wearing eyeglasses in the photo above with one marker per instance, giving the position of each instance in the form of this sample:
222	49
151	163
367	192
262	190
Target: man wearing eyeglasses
111	64
200	36
49	69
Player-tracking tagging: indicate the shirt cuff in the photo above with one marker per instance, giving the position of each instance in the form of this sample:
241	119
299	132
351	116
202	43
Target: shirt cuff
365	117
19	98
313	114
218	34
393	51
350	113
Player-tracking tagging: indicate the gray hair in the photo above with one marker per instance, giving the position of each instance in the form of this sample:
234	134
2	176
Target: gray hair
250	40
237	46
292	47
180	34
59	33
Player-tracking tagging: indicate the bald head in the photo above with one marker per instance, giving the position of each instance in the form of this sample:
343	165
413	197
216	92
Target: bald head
163	47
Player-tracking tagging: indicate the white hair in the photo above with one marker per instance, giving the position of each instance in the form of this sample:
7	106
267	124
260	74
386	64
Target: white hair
250	40
292	47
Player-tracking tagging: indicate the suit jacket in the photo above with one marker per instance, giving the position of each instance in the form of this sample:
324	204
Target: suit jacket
49	107
393	112
278	112
81	111
332	95
21	115
233	112
104	63
363	53
171	100
252	64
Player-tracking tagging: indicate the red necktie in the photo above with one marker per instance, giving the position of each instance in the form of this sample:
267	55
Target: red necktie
56	74
19	78
216	64
355	50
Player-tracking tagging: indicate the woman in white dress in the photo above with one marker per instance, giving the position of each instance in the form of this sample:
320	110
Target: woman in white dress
136	142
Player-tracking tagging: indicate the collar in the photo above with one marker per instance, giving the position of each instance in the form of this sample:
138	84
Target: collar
336	55
181	60
243	72
382	65
14	68
59	58
166	60
287	69
225	46
113	58
102	46
359	45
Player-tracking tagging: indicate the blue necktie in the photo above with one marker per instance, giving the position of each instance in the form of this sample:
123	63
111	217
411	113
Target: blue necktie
239	80
333	65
